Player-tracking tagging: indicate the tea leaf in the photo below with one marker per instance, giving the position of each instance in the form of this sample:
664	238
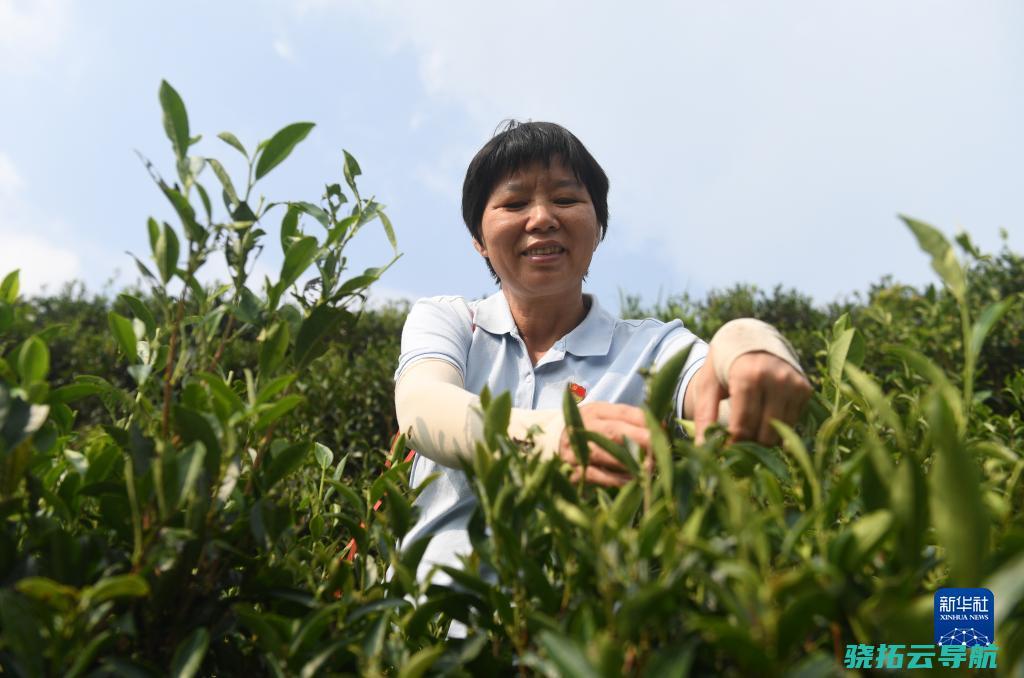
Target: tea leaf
188	656
421	662
9	288
274	346
280	146
566	656
664	385
231	140
351	171
33	360
225	180
175	119
315	333
989	316
944	260
117	586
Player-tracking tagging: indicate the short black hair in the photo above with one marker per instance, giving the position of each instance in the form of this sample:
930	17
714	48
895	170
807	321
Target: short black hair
518	144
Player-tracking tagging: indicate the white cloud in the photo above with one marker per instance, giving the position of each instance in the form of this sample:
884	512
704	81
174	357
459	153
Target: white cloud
43	265
29	241
283	49
31	29
766	137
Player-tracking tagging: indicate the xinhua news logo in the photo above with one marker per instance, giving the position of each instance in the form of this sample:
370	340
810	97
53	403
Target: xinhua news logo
965	617
965	631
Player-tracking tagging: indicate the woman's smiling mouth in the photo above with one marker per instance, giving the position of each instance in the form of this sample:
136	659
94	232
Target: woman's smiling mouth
543	252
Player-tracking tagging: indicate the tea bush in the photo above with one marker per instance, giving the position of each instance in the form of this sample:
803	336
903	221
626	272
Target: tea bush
200	480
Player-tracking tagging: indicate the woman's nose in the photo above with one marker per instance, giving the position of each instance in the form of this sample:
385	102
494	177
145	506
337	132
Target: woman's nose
542	218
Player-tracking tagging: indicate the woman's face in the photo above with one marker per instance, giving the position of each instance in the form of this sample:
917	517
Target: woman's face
540	231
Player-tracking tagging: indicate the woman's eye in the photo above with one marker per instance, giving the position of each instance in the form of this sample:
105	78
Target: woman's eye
515	204
566	201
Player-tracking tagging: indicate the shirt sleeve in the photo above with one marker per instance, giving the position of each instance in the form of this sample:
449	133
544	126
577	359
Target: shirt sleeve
675	342
437	328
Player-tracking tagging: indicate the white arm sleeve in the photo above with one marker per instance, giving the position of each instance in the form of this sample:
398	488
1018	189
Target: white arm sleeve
444	422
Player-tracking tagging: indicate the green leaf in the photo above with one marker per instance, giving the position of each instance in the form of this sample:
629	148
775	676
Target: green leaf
205	199
351	171
33	360
324	456
225	179
280	146
194	427
421	662
175	119
273	387
662	453
368	277
620	452
85	656
313	211
47	591
959	515
268	414
185	211
568	657
232	141
164	242
986	320
273	347
837	351
299	257
290	227
229	401
792	443
867	534
188	656
389	230
9	288
496	418
284	463
944	261
1007	585
573	421
315	332
6	316
124	334
75	391
141	312
118	586
664	384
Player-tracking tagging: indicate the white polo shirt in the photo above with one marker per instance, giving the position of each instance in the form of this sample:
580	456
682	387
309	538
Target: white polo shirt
602	355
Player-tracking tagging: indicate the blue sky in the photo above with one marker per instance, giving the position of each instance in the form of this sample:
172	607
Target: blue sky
771	143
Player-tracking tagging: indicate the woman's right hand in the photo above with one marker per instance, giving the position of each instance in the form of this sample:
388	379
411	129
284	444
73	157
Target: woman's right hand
615	422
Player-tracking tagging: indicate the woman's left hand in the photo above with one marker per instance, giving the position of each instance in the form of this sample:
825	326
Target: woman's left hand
761	388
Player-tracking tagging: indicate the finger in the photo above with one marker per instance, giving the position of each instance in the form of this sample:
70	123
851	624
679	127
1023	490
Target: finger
604	459
800	393
618	431
708	393
774	408
599	476
616	412
747	400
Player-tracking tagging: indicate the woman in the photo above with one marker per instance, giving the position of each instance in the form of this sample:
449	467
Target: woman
535	203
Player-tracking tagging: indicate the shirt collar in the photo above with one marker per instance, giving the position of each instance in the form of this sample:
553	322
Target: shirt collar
591	337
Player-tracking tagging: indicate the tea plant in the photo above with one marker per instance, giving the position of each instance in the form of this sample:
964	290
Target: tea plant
740	559
195	479
187	531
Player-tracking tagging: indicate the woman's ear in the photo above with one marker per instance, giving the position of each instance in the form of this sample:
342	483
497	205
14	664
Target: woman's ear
480	248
